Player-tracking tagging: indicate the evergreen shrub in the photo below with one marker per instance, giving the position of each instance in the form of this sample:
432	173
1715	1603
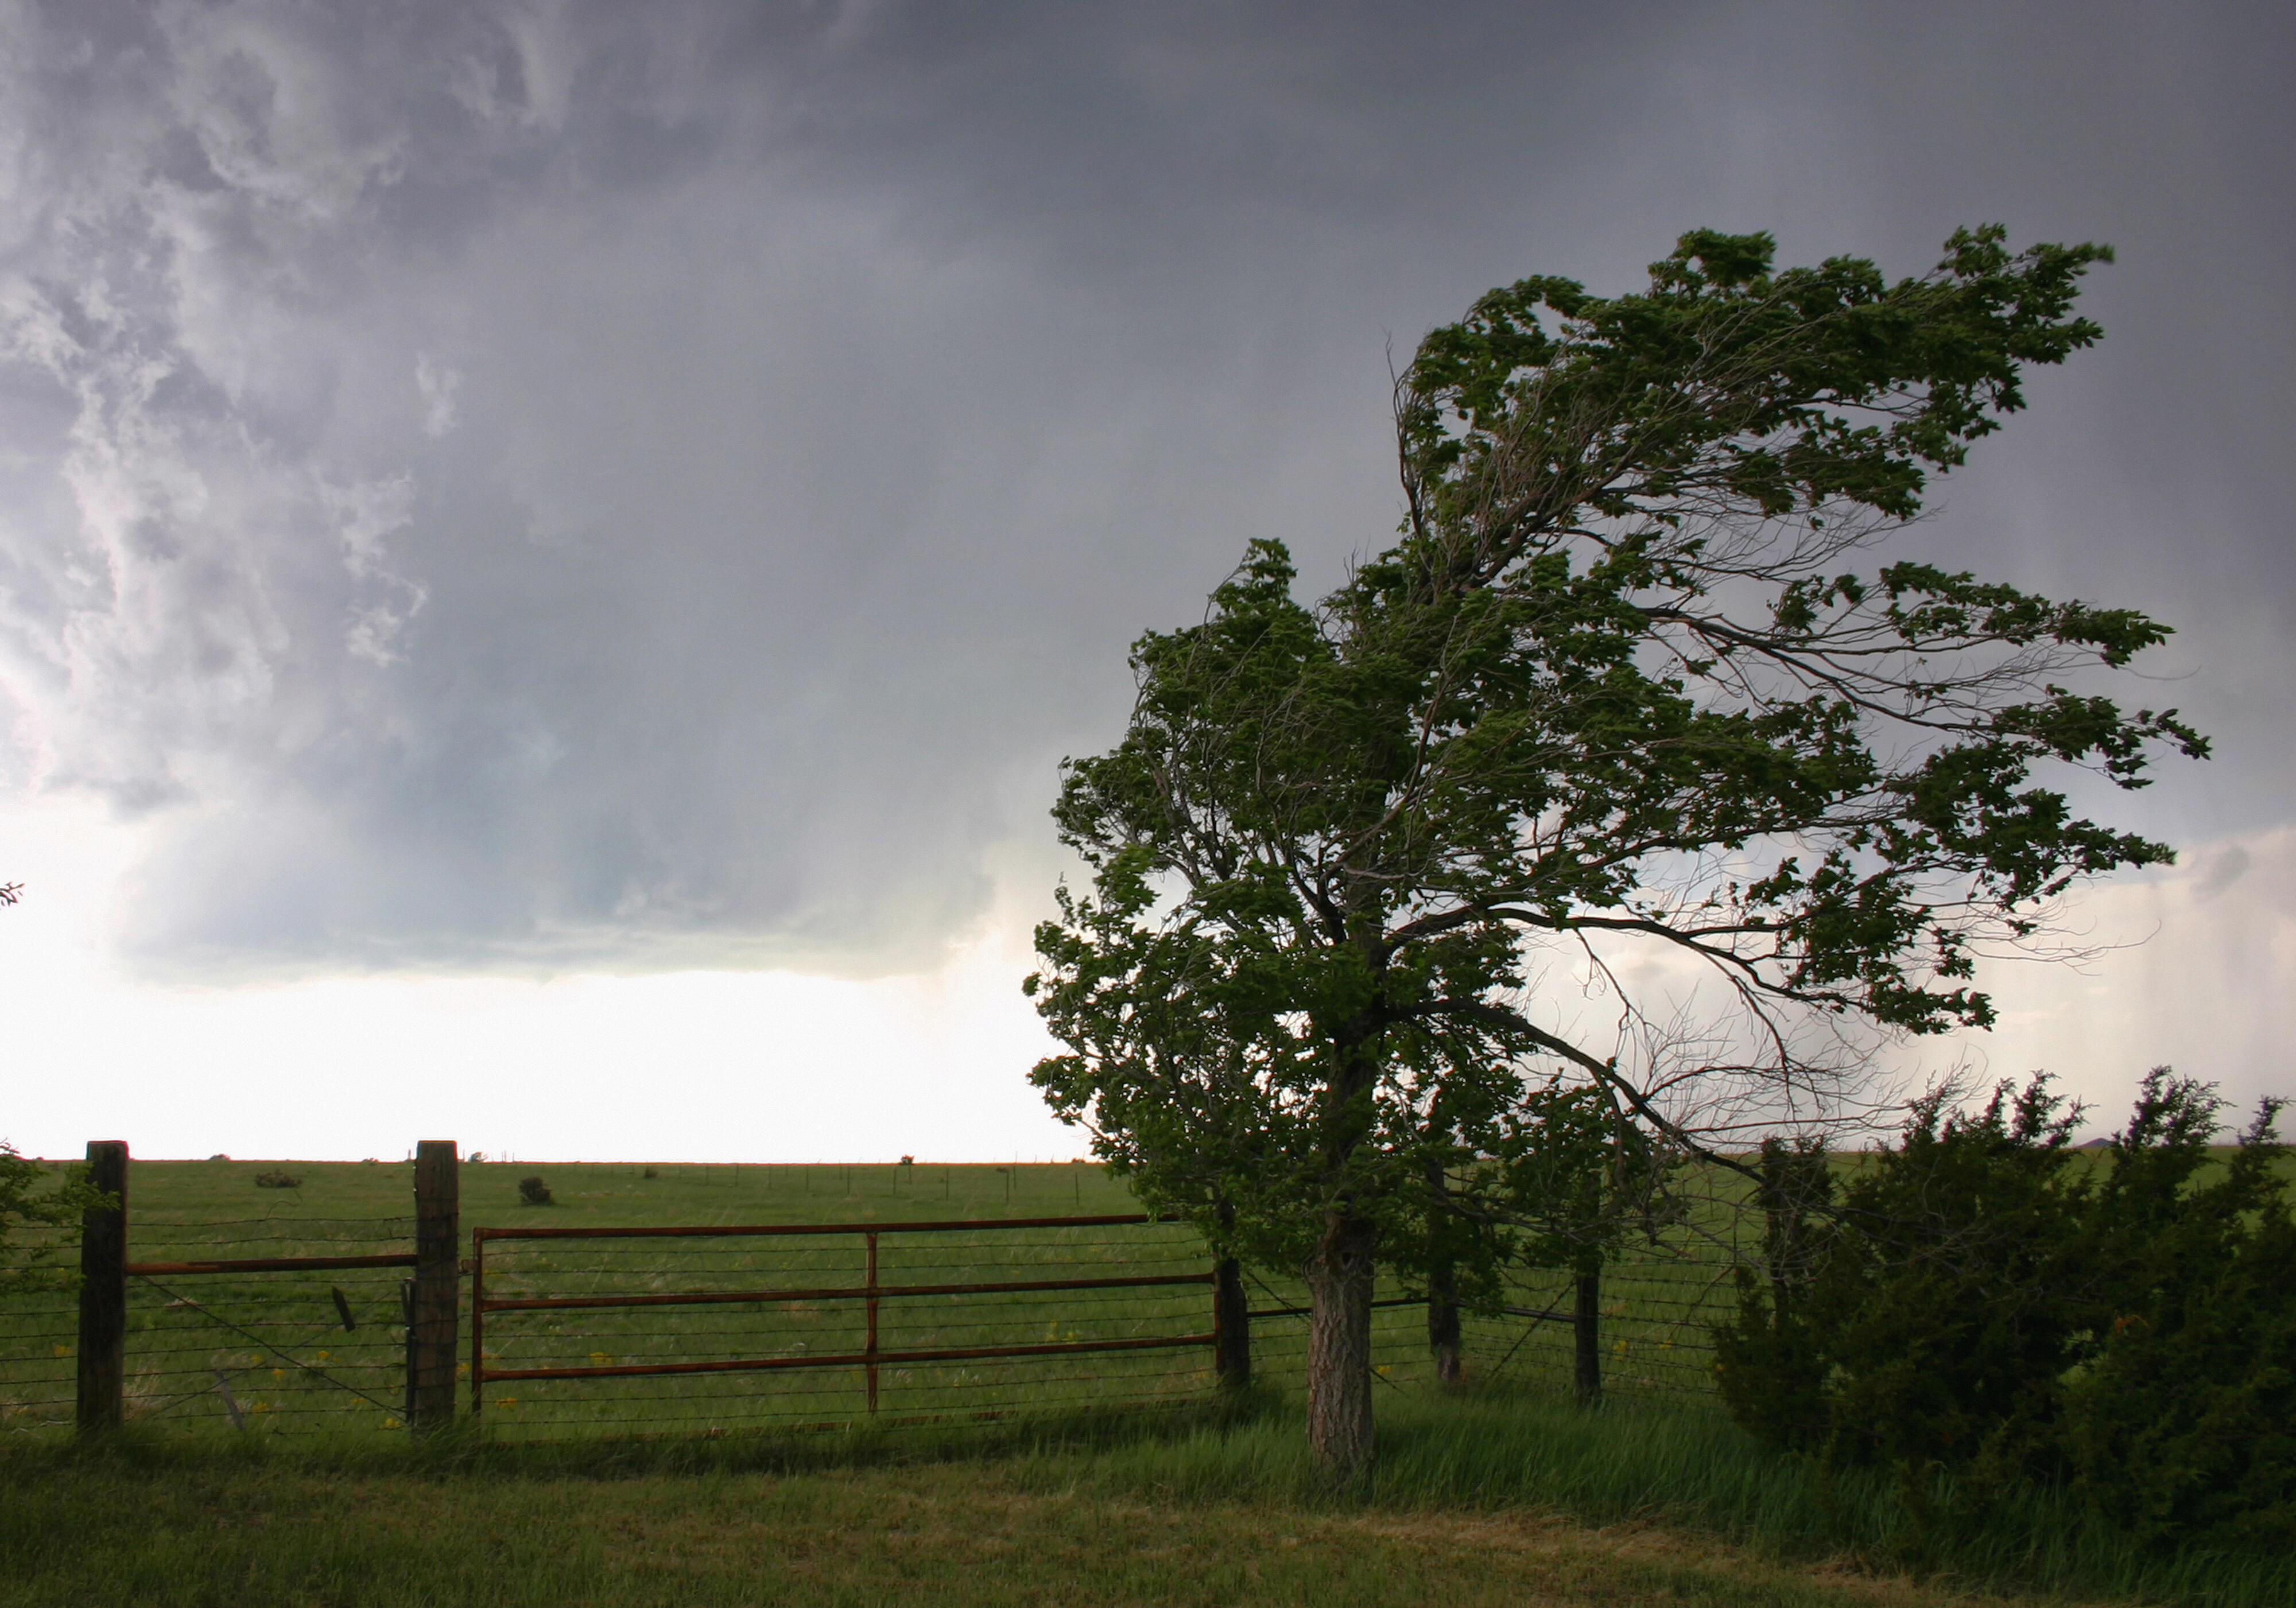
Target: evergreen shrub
1983	1301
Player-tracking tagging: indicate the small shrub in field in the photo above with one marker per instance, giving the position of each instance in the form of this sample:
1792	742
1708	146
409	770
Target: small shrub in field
534	1191
651	1173
278	1181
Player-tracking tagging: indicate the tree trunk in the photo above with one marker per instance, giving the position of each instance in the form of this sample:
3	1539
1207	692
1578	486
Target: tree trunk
1339	1349
1443	1323
1587	1325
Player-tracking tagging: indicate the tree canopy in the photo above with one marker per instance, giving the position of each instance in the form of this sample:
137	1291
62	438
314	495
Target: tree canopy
1638	674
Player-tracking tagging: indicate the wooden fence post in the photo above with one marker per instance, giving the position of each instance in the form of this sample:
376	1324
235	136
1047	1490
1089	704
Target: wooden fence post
1586	1323
1231	1317
1231	1325
1444	1331
104	1292
435	1310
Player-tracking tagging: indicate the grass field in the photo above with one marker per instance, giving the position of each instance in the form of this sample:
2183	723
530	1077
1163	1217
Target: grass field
603	1491
1494	1498
949	1535
223	1355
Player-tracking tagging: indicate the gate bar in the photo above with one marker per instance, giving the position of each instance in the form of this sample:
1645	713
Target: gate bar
967	1226
704	1298
851	1359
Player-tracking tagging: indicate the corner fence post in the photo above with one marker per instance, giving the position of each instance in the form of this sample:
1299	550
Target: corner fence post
104	1292
435	1308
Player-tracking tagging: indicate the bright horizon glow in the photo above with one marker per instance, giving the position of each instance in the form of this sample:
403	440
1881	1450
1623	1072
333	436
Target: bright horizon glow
783	1067
696	1066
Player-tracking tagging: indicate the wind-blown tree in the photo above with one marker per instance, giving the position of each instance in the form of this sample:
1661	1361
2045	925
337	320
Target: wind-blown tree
1633	675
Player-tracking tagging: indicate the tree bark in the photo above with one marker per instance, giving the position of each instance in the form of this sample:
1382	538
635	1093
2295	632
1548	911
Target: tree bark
1338	1349
1443	1324
1341	1270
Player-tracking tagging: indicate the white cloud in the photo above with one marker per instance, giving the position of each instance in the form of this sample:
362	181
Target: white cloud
2193	967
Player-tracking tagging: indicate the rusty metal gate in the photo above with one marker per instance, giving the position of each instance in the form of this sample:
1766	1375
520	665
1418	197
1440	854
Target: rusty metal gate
680	1306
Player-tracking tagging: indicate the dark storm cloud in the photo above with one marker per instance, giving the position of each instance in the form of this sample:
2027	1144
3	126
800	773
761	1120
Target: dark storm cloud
532	485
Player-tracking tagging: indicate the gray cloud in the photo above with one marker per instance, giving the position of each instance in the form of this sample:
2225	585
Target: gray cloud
531	485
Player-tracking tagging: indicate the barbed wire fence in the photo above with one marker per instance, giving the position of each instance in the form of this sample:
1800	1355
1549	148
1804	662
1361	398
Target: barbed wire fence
39	1332
283	1351
677	1331
1654	1321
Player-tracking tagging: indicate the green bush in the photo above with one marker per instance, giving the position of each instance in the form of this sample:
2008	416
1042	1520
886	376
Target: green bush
32	1195
1982	1301
534	1191
2182	1421
277	1180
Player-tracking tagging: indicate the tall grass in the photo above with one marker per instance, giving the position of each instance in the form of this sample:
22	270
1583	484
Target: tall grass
1683	1465
1505	1446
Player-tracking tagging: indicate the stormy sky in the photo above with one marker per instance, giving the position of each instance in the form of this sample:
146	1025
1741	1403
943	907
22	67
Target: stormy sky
530	496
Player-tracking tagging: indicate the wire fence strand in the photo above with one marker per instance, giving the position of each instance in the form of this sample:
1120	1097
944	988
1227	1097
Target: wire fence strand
809	1329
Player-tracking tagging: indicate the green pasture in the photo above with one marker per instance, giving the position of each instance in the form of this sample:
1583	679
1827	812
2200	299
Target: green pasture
265	1461
1494	1496
213	1355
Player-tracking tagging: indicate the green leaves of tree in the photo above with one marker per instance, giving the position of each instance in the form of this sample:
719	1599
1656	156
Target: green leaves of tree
33	1197
1628	676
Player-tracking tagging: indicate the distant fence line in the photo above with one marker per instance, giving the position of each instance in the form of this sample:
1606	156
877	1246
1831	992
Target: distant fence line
620	1329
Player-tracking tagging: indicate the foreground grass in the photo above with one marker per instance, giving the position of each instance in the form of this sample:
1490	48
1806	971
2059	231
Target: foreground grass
1480	1500
1685	1466
256	1535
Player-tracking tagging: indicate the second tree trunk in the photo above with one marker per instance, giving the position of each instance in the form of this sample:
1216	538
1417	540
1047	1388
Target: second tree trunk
1338	1349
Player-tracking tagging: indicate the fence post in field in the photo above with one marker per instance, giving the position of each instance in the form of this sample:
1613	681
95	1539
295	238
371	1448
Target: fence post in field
1231	1325
104	1292
1231	1317
435	1310
1444	1334
1586	1324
